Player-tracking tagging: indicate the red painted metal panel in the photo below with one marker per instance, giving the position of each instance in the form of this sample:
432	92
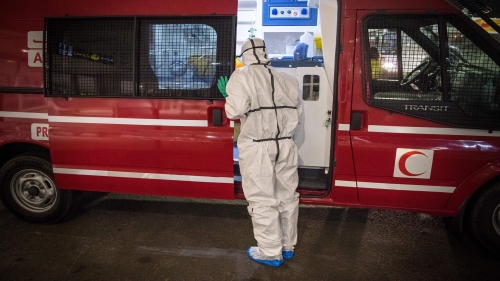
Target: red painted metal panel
403	199
207	151
454	157
37	10
346	195
35	103
423	5
469	185
131	7
148	186
178	150
19	17
14	68
19	129
344	168
181	150
23	10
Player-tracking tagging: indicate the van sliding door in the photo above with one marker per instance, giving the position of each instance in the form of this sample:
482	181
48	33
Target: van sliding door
134	105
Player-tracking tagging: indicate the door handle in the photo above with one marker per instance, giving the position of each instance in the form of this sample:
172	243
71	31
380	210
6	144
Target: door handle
356	120
217	117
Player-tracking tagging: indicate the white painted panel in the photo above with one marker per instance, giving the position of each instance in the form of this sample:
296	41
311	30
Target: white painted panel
328	12
242	33
246	16
312	137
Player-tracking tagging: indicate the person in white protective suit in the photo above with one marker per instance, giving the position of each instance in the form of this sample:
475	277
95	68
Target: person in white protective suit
267	103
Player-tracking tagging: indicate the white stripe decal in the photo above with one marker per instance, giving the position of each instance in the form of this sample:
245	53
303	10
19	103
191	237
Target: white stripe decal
407	187
392	186
344	127
142	175
345	183
431	131
128	121
29	115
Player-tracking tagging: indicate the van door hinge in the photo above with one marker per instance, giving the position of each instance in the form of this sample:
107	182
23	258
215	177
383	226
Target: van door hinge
341	48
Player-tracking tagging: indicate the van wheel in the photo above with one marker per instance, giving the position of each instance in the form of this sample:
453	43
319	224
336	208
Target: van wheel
28	190
485	218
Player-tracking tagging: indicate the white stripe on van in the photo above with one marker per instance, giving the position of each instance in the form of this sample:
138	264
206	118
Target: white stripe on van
345	183
432	131
128	121
28	115
152	176
407	187
396	186
344	127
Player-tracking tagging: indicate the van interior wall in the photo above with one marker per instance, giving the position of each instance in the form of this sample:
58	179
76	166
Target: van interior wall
250	22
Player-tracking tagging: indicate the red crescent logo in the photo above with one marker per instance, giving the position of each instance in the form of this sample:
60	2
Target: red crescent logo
402	163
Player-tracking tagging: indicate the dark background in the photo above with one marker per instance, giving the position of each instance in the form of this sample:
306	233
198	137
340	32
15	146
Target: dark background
495	5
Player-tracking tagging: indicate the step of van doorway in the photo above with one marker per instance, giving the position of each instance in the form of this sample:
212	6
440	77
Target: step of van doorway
312	180
309	178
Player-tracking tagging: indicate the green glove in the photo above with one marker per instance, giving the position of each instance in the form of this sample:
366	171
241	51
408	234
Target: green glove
221	83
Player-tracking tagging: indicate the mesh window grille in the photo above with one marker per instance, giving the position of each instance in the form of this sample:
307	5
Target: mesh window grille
90	57
173	57
404	55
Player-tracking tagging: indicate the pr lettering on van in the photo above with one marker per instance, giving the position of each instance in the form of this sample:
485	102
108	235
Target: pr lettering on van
413	163
35	48
40	131
414	107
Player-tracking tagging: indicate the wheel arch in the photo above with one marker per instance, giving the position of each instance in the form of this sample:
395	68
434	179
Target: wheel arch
472	186
26	159
13	149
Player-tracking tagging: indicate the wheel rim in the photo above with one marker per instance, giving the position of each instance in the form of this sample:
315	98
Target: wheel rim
33	190
496	219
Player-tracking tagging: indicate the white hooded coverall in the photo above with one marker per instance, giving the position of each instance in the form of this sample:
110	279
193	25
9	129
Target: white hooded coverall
267	103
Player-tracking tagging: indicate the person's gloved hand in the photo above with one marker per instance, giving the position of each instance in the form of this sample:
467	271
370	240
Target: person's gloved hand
221	83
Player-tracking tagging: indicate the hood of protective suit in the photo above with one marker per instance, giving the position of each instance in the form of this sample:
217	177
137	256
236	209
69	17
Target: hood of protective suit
254	51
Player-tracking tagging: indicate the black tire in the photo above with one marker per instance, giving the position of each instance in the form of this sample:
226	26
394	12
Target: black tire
484	218
28	190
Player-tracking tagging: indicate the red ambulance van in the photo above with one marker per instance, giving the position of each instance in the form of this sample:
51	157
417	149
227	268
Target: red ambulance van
401	112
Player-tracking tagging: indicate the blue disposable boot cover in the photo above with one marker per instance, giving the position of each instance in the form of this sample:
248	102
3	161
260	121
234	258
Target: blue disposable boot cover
287	254
274	263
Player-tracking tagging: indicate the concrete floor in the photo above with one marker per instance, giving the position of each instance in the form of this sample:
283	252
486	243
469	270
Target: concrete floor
118	237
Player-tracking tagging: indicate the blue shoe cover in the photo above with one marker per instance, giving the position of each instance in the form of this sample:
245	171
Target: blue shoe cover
287	254
255	257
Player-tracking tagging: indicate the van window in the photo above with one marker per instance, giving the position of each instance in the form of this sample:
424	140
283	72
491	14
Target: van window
310	89
90	57
177	57
174	57
430	68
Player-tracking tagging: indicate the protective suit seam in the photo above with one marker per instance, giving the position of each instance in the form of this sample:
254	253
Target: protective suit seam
254	53
276	112
271	107
272	139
